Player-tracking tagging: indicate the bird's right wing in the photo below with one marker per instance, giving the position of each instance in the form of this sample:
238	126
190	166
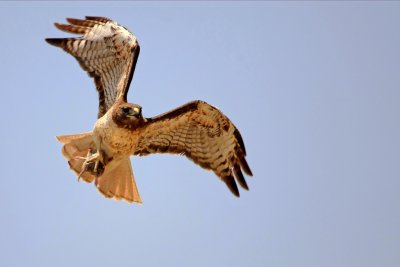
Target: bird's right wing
107	51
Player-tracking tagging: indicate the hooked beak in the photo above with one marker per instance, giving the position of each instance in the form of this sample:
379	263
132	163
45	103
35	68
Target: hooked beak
135	112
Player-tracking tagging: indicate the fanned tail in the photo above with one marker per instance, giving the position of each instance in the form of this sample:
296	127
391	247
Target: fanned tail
76	148
116	181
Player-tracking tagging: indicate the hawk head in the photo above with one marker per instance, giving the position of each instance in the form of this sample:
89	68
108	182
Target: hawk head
127	115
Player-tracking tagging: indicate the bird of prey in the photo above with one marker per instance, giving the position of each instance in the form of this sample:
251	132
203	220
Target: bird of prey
108	52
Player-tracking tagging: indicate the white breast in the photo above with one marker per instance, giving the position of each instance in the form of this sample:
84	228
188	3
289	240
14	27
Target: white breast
113	140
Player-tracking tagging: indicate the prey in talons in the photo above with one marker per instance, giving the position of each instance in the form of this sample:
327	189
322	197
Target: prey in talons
94	163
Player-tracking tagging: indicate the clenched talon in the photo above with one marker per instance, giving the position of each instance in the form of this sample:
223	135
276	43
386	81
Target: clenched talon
93	164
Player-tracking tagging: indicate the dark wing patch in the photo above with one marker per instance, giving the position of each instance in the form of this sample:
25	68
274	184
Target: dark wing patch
203	134
106	51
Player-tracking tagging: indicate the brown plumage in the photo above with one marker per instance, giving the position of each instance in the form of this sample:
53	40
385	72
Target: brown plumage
107	52
201	132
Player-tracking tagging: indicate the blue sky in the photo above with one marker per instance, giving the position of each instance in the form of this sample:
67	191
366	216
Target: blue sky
312	86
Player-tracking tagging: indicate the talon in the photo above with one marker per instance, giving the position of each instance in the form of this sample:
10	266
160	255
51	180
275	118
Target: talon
93	163
96	164
84	164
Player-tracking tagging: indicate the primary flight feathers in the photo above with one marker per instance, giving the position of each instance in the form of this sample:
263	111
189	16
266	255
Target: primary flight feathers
107	52
201	132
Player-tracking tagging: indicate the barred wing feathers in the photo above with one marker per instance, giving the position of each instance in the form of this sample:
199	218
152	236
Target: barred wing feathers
107	51
203	134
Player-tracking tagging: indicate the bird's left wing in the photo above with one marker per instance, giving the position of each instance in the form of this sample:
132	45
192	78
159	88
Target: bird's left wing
107	51
203	134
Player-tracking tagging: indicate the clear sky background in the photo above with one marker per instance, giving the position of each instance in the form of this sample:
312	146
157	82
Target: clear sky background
314	88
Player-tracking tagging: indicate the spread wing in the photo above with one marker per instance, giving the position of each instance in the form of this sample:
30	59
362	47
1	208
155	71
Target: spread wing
203	134
107	52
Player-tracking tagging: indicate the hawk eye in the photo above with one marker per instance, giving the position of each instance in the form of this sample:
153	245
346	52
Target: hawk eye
126	110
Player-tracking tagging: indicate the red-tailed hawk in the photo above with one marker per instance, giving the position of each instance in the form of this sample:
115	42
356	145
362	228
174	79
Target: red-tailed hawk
108	52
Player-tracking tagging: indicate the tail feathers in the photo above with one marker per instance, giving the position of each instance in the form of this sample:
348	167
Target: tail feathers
76	147
118	182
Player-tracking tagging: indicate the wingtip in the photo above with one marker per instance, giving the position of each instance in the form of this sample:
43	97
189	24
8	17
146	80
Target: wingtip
98	19
48	40
81	22
240	178
72	20
245	167
55	41
239	138
230	182
59	26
